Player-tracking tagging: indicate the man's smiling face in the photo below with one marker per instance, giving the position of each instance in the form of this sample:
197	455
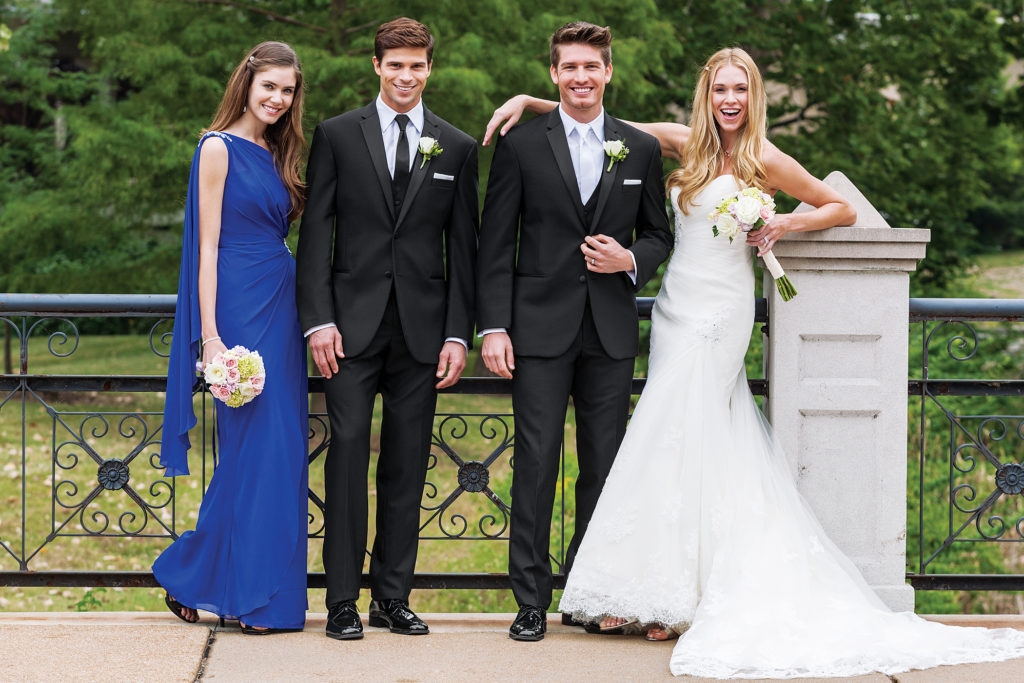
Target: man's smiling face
403	74
580	75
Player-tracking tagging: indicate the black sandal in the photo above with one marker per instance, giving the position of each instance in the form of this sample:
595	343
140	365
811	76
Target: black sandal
178	609
260	631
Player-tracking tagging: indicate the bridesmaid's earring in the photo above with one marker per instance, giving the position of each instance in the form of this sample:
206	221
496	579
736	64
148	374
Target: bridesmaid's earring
243	108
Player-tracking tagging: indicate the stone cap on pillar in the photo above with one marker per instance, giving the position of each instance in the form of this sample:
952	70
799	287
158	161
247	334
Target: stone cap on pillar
870	244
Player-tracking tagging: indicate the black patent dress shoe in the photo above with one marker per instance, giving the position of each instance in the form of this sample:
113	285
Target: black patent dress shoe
396	616
343	621
530	625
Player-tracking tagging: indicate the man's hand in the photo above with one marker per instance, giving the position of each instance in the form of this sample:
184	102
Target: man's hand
605	255
497	354
450	364
325	347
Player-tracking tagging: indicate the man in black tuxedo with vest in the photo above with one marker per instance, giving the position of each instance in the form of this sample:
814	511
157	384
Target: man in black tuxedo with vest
570	231
386	264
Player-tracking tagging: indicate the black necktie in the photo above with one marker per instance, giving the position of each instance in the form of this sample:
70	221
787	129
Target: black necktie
401	176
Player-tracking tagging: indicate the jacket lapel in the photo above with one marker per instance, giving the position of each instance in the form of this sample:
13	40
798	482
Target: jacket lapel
375	144
431	129
607	184
560	148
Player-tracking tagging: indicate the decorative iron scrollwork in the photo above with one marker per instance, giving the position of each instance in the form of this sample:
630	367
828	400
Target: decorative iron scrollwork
112	474
473	476
164	338
1010	478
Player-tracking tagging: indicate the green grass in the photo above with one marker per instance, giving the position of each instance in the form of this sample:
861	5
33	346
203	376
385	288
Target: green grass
999	275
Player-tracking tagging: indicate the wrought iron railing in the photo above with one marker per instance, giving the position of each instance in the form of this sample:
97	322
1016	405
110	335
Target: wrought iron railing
103	483
966	503
966	430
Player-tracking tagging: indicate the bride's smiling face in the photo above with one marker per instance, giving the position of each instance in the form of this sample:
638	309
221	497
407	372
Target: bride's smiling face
729	98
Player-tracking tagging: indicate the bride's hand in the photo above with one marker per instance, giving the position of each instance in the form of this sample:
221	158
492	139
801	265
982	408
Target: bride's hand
765	237
512	110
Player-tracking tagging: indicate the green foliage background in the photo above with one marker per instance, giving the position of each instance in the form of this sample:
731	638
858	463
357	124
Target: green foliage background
101	102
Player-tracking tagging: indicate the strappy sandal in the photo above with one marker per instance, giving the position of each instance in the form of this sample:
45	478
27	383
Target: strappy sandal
617	630
260	631
669	632
178	609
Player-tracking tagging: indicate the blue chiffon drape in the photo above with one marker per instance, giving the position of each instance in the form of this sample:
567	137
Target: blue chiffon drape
246	557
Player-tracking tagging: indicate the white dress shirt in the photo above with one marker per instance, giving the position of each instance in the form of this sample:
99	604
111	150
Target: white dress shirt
390	133
586	147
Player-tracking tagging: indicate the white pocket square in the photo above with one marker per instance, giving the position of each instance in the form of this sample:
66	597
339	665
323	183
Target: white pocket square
632	181
445	176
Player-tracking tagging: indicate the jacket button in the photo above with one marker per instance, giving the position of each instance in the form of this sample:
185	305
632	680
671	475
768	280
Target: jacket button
387	274
583	278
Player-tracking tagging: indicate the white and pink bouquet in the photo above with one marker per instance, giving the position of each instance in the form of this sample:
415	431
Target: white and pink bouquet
746	210
235	376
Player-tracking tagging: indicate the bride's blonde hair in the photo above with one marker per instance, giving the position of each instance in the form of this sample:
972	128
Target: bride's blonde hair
703	155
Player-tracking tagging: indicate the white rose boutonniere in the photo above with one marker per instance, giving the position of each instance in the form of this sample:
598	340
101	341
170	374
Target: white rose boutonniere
429	149
616	151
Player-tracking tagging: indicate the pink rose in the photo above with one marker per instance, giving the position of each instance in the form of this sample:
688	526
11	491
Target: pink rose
233	375
230	362
256	381
220	391
766	214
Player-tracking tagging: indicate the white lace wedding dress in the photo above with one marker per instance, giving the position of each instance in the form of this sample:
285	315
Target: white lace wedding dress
700	525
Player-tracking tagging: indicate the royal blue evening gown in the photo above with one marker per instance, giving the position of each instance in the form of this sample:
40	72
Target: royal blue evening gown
247	556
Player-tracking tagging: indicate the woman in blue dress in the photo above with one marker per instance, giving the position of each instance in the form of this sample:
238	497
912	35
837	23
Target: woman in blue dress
246	559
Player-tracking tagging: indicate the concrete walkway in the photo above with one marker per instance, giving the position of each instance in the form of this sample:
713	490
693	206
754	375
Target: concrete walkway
133	646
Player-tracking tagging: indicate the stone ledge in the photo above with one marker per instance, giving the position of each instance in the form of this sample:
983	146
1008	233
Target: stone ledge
871	244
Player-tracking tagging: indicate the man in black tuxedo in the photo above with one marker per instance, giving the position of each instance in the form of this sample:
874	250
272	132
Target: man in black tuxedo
386	263
557	284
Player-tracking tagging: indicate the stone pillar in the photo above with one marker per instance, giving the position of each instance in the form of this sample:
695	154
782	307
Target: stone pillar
836	364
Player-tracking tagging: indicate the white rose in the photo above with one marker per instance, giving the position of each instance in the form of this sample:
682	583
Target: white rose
427	144
613	147
215	373
246	390
727	225
748	210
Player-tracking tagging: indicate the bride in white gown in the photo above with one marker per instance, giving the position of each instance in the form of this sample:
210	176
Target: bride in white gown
700	530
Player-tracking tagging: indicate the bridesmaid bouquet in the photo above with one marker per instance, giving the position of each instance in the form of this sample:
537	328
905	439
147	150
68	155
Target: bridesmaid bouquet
235	376
747	210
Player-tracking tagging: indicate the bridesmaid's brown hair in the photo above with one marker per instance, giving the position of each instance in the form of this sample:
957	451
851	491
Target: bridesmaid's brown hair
285	138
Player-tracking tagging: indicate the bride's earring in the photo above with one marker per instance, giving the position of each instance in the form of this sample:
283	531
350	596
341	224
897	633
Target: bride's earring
243	108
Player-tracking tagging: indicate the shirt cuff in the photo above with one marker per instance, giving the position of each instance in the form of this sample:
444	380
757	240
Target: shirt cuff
459	340
631	274
489	330
317	329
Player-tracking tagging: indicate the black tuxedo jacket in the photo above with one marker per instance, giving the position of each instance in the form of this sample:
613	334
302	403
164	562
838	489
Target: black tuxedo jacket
353	248
532	277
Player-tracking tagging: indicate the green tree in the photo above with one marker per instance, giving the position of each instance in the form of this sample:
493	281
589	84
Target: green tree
103	100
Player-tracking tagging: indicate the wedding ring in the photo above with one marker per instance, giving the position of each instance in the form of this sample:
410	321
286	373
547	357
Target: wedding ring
593	262
765	240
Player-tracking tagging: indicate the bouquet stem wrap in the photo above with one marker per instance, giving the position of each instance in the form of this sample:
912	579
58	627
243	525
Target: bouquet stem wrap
786	289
